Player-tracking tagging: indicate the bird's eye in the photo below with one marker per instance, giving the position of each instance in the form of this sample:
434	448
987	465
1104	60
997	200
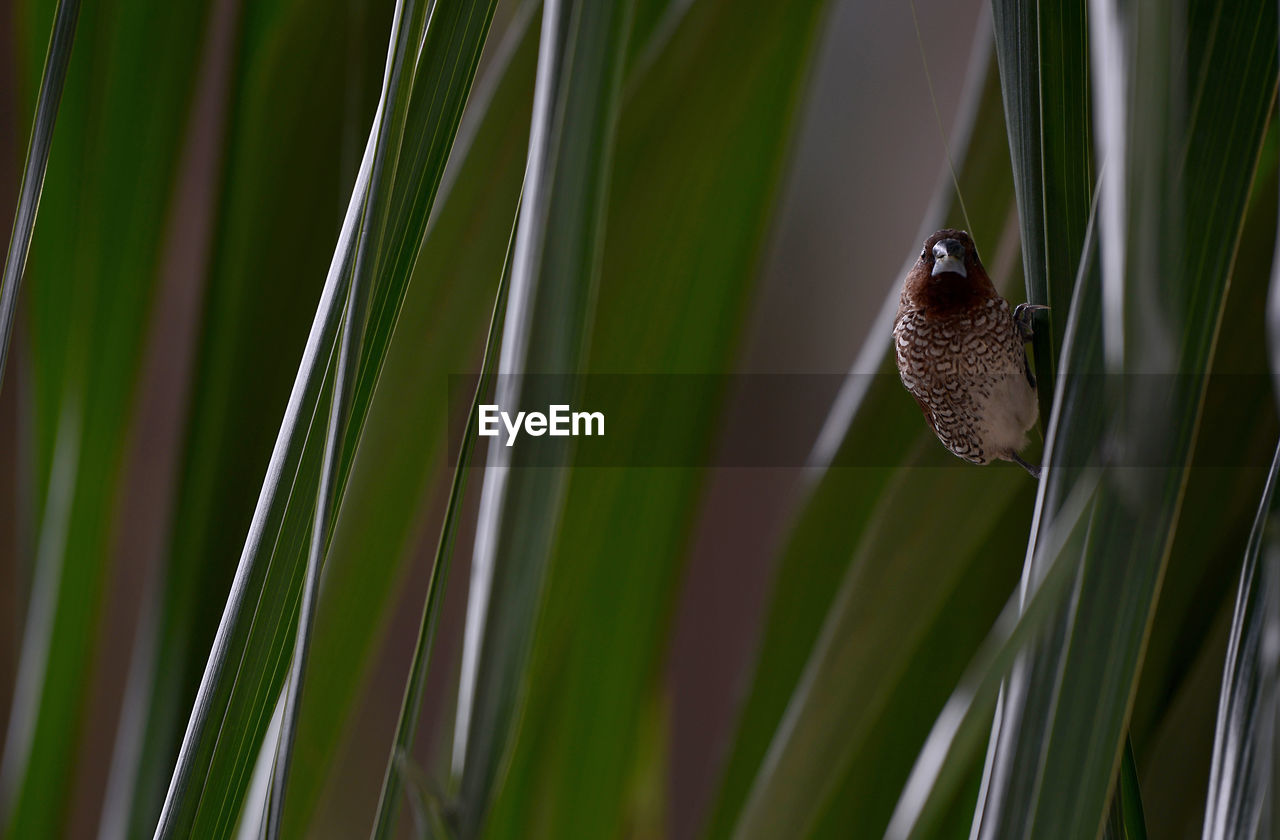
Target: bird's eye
924	255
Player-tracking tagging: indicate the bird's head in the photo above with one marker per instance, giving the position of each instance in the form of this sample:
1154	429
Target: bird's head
948	276
950	252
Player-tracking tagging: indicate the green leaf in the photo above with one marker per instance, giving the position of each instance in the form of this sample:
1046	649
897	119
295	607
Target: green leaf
408	424
554	273
1043	58
395	471
1173	202
295	167
957	735
90	276
1125	820
410	706
702	143
1170	726
407	30
245	669
428	802
57	57
842	696
1242	777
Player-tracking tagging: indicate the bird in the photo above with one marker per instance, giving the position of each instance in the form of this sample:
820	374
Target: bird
961	353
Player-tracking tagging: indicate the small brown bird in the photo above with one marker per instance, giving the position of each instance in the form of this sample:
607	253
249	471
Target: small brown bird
961	353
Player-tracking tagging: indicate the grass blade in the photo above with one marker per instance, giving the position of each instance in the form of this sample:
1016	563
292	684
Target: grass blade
181	809
406	31
834	710
280	166
1242	772
1234	447
57	58
1125	820
1179	170
416	683
957	736
409	428
689	224
1043	56
254	638
554	272
127	87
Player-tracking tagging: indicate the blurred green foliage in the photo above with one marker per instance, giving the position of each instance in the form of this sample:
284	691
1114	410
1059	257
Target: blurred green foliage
662	167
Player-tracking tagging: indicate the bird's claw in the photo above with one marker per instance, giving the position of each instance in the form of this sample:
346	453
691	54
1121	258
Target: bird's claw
1023	319
1033	469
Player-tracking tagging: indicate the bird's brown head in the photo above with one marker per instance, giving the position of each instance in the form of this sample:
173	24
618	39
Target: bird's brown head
949	252
948	270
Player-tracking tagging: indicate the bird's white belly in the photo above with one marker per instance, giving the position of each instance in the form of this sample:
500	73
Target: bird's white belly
1006	414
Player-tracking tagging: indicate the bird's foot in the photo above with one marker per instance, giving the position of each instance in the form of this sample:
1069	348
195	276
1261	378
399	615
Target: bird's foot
1023	319
1033	469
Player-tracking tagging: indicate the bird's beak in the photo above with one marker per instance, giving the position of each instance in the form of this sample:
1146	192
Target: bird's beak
946	262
